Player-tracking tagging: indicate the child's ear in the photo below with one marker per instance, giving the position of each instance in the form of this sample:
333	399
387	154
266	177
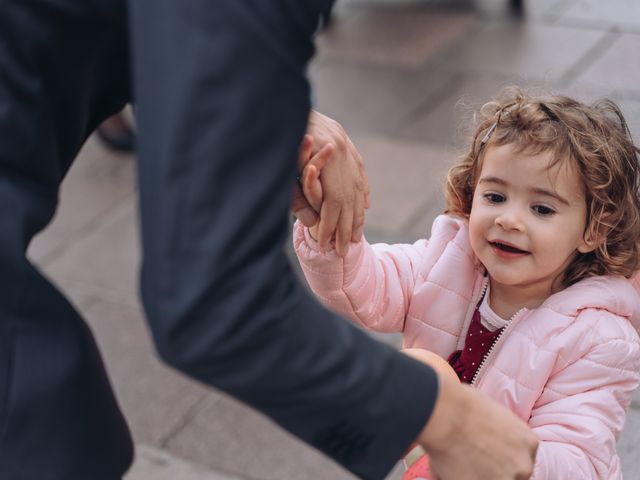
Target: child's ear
588	246
593	238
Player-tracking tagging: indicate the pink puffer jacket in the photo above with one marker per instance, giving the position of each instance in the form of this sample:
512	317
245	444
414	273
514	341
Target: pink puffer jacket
568	367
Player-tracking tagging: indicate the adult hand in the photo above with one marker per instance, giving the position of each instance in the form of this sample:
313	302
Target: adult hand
471	437
344	183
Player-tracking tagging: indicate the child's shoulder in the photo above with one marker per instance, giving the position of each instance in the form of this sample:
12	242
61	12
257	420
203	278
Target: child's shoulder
607	303
449	227
597	319
611	293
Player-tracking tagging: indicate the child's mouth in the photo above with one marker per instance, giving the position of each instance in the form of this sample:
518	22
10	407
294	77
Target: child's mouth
507	248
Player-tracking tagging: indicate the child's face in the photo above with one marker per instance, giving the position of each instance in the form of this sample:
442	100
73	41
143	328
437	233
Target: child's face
527	221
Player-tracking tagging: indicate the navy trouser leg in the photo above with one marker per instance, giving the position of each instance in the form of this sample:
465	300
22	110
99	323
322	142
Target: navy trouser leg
58	416
63	67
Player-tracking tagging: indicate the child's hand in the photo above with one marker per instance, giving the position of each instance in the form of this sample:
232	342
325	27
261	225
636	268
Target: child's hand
311	184
312	190
305	212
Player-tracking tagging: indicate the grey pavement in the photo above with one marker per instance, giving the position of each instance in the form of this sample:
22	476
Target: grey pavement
403	77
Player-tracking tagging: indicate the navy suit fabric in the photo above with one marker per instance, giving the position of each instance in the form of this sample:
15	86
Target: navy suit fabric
222	102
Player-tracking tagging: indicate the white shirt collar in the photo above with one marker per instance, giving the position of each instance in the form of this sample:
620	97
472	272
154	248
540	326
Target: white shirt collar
490	319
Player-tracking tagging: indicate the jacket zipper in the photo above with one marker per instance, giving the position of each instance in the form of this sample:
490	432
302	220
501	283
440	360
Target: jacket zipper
475	300
494	347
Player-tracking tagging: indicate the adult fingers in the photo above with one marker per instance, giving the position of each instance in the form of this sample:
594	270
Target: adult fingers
344	231
358	218
306	147
362	181
329	216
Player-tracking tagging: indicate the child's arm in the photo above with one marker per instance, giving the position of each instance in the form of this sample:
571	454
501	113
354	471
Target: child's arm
372	285
582	408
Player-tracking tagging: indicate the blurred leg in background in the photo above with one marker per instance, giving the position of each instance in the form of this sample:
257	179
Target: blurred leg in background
118	132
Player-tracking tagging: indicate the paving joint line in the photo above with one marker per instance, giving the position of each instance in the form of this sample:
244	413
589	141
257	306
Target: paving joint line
593	54
85	231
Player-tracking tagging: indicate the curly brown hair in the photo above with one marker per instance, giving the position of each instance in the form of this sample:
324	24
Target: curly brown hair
596	139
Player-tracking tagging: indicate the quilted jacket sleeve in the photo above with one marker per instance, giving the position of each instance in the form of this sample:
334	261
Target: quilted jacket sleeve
582	409
372	285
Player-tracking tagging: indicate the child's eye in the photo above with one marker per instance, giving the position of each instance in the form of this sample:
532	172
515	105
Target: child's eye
543	210
494	197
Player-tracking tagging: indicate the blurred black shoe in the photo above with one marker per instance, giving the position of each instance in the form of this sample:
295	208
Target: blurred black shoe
517	7
117	134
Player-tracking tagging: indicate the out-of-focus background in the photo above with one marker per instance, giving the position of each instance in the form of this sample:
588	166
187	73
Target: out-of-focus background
403	77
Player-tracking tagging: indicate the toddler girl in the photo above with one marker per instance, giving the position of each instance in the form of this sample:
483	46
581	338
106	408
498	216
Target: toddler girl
524	283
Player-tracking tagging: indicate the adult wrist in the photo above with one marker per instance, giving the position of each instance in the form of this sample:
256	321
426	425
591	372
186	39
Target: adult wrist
447	416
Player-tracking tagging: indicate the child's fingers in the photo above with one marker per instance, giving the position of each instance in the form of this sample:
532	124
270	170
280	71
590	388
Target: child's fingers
315	186
309	174
320	159
301	209
312	187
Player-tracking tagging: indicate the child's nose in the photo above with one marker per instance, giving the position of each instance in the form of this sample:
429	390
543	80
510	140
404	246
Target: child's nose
510	219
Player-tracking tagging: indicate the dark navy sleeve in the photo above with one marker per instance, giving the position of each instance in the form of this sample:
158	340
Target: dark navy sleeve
222	105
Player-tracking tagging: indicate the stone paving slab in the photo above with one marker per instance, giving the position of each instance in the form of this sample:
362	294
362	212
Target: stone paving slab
534	51
104	260
403	177
629	446
631	109
635	402
419	226
155	464
546	10
371	98
601	15
448	120
156	400
229	436
397	37
618	67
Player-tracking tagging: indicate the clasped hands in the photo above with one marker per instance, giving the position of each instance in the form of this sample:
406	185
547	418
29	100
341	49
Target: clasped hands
333	209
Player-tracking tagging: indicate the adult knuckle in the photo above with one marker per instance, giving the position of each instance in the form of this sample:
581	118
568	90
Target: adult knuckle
336	199
340	136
